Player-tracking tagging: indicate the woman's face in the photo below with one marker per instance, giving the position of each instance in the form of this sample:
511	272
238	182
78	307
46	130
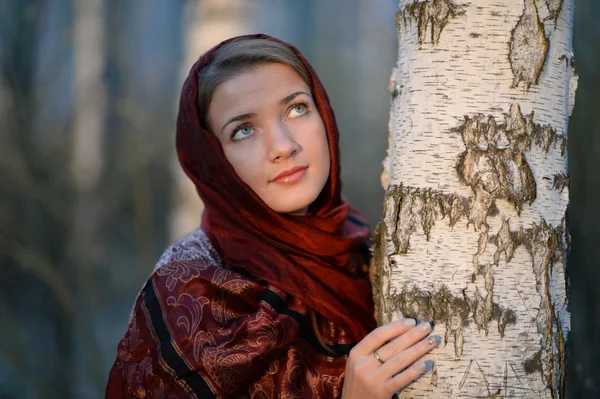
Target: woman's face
273	136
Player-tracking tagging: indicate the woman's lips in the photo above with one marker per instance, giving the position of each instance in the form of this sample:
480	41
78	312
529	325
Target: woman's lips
290	176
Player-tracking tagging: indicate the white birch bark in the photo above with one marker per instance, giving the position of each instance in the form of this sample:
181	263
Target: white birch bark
207	23
88	125
473	235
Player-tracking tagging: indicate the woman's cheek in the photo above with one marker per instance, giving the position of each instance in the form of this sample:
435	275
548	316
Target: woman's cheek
249	172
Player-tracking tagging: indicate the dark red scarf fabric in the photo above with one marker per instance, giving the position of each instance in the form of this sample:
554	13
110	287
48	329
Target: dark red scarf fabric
305	256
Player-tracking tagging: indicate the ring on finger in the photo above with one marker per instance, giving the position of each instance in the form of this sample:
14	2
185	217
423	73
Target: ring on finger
379	359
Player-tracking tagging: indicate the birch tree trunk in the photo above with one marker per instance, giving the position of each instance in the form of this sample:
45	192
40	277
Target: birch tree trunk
474	234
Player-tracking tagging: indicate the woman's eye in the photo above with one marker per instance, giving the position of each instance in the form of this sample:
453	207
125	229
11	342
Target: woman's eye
297	110
242	132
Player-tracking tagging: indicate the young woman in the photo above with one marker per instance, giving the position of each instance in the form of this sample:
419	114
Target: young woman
270	297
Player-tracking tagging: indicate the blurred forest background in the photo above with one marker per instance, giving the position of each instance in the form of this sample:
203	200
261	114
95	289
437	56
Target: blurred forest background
91	193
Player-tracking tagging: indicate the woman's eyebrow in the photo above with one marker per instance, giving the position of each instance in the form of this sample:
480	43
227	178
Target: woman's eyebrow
244	117
289	98
237	118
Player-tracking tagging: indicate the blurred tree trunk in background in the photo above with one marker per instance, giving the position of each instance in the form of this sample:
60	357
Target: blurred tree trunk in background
33	213
87	150
208	22
85	246
473	235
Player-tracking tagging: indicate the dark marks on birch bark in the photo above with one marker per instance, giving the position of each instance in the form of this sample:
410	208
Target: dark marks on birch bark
528	47
381	263
380	269
506	317
454	312
499	388
568	60
547	248
395	229
554	8
494	165
395	87
408	209
483	308
546	245
505	243
434	377
560	181
533	364
431	16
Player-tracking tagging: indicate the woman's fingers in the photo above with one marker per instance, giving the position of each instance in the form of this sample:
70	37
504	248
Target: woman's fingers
404	341
398	344
379	336
404	378
403	359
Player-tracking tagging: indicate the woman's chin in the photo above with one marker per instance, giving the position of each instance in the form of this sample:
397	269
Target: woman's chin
296	209
296	205
295	199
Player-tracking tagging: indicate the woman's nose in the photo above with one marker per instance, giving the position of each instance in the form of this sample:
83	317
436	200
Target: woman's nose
281	144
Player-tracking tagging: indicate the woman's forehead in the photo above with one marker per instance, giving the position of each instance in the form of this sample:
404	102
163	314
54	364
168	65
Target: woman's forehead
269	83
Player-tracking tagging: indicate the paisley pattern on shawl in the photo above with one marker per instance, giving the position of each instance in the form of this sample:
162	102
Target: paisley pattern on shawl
199	330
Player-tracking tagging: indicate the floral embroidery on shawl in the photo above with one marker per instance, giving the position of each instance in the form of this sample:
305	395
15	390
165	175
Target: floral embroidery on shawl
199	330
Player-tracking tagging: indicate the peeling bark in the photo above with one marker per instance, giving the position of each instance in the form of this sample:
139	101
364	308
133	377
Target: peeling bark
528	46
494	165
545	249
506	243
431	16
473	235
416	212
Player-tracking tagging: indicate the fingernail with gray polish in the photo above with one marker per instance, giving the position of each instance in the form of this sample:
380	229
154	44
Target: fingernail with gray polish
435	340
428	366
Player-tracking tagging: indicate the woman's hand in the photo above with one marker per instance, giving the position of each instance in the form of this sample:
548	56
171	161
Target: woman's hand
382	363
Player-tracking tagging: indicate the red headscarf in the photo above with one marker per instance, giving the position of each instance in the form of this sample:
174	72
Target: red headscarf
305	256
